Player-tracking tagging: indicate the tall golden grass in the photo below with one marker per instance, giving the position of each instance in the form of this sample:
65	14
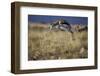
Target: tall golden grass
51	44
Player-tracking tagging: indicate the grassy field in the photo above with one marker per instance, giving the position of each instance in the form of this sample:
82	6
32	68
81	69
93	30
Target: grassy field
45	44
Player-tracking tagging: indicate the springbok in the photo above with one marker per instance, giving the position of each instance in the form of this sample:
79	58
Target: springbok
80	29
61	25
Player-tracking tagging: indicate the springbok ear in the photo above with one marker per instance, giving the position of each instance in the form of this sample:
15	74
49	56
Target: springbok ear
50	24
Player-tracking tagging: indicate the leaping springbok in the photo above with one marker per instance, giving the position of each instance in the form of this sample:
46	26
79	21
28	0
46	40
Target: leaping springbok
61	25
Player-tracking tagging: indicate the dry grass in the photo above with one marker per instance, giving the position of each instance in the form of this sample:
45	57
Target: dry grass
46	44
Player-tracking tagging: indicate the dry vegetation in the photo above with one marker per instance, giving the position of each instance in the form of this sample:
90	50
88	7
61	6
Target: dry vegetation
55	44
